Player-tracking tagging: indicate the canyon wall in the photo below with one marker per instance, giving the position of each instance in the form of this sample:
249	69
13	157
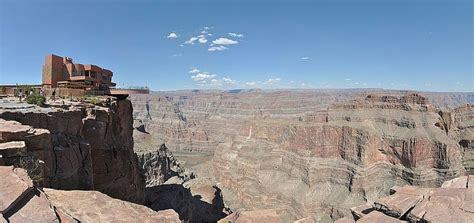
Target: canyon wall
312	154
75	146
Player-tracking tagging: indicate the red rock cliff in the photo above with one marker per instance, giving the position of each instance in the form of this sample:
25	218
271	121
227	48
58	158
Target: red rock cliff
78	146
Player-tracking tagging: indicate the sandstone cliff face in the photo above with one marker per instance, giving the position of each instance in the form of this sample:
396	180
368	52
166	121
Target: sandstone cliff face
312	154
77	146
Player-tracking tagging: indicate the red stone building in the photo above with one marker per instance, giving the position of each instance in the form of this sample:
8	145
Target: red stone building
61	72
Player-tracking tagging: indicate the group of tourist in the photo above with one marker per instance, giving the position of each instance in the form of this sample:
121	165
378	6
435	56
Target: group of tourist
20	94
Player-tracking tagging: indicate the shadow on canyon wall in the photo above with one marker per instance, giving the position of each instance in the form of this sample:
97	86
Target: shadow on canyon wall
190	208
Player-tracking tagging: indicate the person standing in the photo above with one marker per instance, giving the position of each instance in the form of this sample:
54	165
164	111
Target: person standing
20	94
54	94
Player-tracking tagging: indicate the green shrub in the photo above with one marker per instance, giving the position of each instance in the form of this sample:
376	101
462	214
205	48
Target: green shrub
32	167
36	99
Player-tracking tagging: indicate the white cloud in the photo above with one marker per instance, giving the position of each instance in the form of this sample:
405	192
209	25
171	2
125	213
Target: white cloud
304	58
194	71
229	81
202	39
207	28
272	81
224	41
172	36
236	35
177	55
191	40
206	79
217	48
347	79
203	77
251	83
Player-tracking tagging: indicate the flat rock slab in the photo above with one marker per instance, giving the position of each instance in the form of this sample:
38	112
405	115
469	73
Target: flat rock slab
454	202
10	105
460	182
262	216
13	148
37	209
361	211
402	201
344	220
306	220
445	205
207	193
376	216
12	129
14	184
93	206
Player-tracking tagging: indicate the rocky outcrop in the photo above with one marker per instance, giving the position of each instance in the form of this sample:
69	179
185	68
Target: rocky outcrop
75	146
160	165
93	206
170	186
453	202
21	201
263	216
312	153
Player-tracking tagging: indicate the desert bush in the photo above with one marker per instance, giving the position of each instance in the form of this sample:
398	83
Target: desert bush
32	167
36	99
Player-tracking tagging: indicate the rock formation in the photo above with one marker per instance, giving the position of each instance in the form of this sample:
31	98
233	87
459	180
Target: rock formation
75	146
160	165
170	186
22	202
312	154
453	202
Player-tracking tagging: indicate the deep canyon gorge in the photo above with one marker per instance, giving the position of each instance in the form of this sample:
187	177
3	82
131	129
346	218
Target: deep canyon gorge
240	156
310	154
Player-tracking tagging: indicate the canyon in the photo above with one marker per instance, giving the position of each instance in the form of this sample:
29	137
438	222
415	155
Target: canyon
310	154
239	156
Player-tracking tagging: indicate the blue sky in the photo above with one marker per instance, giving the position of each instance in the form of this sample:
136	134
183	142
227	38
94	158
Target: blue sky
403	44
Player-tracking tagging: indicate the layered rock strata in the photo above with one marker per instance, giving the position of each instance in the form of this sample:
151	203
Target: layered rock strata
313	154
75	146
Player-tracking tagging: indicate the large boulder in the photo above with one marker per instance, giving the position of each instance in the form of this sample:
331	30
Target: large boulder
454	202
20	201
94	206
